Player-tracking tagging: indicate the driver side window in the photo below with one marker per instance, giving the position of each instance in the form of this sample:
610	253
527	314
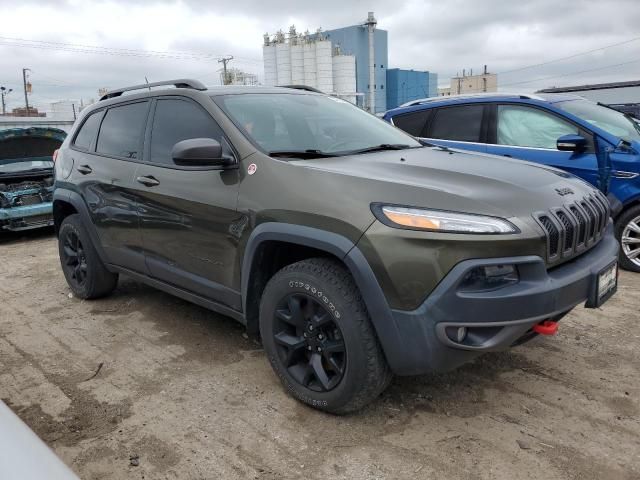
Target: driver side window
176	120
530	127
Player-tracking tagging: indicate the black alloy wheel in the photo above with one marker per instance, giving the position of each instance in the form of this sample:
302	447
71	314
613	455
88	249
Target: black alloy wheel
309	342
74	258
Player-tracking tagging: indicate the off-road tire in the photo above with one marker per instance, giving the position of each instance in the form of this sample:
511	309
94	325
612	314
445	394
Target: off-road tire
621	223
366	373
97	280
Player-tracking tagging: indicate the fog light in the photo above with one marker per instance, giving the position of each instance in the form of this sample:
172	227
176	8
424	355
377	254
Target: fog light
461	334
489	278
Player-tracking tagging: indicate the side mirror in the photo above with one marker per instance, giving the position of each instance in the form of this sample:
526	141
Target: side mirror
199	152
571	143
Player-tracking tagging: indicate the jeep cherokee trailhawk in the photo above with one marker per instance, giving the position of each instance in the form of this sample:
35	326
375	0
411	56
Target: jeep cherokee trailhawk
351	248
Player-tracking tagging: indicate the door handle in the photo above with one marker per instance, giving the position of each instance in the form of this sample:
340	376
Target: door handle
507	155
84	169
148	181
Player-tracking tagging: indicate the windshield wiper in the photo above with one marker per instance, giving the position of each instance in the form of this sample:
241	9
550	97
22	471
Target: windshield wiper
379	148
303	154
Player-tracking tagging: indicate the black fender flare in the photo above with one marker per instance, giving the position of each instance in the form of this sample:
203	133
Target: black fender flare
345	250
75	200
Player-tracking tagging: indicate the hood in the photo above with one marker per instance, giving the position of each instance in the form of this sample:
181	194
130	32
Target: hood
456	180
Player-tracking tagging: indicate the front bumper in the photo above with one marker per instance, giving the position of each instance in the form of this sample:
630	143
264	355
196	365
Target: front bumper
495	320
26	216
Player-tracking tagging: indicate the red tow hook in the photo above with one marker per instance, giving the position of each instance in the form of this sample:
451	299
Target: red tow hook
548	327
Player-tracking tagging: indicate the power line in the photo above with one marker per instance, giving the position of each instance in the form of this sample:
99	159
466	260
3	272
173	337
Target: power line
572	73
556	60
579	54
99	50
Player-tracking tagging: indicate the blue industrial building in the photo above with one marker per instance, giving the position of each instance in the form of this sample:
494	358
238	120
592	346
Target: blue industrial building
354	40
406	85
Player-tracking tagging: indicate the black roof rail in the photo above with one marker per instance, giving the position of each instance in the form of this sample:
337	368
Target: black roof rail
179	83
303	87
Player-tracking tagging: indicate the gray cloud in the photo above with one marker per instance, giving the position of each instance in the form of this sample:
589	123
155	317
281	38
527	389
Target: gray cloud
440	36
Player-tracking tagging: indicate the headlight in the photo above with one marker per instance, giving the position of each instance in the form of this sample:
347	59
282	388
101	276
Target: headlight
441	221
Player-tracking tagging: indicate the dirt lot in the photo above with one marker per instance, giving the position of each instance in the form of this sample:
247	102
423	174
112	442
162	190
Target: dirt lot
187	392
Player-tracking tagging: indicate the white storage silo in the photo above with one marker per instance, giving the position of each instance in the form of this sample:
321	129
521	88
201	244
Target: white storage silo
309	53
270	69
283	63
324	66
297	63
344	77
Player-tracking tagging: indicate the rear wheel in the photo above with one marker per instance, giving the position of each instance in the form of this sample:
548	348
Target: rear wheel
628	232
317	334
85	273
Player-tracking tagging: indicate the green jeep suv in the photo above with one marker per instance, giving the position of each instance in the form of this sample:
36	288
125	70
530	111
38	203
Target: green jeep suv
353	250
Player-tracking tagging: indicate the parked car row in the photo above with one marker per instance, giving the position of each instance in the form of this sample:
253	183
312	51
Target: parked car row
353	250
592	141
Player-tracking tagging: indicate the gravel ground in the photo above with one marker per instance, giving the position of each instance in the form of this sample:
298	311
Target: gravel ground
183	393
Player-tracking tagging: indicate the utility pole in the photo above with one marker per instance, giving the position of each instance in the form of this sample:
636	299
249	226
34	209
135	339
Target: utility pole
225	77
24	83
370	24
4	92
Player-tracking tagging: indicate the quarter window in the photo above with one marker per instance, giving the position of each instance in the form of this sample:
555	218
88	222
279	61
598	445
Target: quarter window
463	123
412	123
530	127
88	131
176	120
122	129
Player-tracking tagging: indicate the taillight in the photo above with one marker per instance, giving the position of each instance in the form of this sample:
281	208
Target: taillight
55	155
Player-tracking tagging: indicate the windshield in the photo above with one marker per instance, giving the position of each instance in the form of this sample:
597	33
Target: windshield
289	122
609	120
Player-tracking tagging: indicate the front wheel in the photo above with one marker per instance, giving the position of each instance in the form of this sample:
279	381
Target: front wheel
319	339
628	232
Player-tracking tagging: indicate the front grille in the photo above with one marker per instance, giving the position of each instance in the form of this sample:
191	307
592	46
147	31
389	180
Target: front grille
573	228
553	235
569	229
582	224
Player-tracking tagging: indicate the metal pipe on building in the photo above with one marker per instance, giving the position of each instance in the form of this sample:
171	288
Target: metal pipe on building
371	26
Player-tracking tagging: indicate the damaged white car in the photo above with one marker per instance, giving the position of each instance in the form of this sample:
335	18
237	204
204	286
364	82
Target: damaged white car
26	177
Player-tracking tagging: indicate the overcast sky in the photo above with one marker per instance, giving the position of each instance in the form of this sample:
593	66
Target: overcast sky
443	36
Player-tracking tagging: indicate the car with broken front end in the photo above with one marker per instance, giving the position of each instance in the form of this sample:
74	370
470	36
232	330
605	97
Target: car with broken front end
26	177
354	251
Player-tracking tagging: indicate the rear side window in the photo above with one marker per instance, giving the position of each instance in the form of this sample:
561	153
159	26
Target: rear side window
122	130
462	123
176	120
413	123
88	131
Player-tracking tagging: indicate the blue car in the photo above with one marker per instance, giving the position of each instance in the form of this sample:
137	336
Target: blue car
592	141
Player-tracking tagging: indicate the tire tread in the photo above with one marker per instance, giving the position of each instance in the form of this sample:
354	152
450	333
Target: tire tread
100	281
378	374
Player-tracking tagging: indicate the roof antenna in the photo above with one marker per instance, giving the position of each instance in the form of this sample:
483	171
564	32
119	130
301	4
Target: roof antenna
145	79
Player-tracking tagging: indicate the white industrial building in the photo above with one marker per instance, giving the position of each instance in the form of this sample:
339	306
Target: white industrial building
309	60
235	76
64	110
